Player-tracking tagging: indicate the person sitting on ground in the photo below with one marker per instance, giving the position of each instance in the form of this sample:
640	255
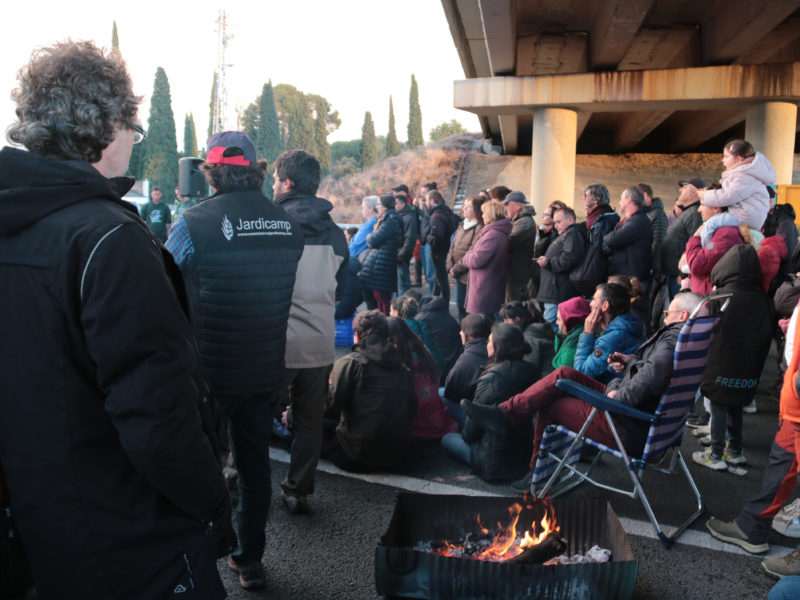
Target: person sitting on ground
744	181
569	318
750	530
645	377
406	307
434	313
463	377
372	396
433	419
538	333
610	327
496	457
737	354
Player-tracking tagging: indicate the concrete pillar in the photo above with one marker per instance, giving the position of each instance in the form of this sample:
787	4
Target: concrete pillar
555	135
771	128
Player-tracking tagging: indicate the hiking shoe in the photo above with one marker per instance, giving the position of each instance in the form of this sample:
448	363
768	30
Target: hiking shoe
702	431
523	485
490	417
734	458
729	531
787	521
707	459
751	408
781	566
251	576
297	505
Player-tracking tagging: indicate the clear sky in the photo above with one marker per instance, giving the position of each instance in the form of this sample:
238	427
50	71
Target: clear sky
355	53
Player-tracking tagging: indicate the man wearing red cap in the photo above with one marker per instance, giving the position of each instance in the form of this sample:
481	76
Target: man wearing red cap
238	254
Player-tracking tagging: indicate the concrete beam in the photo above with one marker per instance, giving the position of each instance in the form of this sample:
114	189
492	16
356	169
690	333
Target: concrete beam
784	35
615	26
543	54
583	121
703	88
734	30
663	48
459	36
509	131
499	33
636	127
695	128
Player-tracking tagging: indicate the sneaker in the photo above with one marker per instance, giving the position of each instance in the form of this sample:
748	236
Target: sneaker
251	576
751	408
523	485
787	521
697	421
705	440
297	505
702	431
707	459
490	417
729	531
781	566
734	458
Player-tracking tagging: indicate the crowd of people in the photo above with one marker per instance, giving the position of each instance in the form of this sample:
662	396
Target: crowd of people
146	353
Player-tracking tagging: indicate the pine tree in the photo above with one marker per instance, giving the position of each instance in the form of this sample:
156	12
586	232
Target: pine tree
114	38
161	155
268	138
211	104
189	136
414	116
392	145
369	145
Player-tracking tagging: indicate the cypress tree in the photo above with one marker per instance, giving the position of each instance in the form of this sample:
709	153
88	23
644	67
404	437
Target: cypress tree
114	37
414	116
268	137
189	136
249	122
161	155
211	106
136	163
392	145
323	149
301	126
369	144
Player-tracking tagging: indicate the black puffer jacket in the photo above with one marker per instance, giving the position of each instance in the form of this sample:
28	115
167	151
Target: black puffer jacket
444	329
372	395
629	247
379	262
409	218
105	419
500	457
678	234
659	224
442	221
562	256
521	241
464	375
732	374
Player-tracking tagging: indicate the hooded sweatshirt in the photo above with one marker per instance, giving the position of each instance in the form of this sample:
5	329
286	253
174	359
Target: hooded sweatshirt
744	191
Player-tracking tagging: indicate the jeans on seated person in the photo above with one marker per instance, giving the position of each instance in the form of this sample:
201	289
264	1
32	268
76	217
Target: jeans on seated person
456	447
454	408
787	588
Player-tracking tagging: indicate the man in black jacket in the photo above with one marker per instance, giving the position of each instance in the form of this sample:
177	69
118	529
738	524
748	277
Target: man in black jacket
629	246
443	224
409	215
680	230
238	253
521	242
108	435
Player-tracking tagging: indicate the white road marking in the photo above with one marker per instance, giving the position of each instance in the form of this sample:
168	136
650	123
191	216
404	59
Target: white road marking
698	539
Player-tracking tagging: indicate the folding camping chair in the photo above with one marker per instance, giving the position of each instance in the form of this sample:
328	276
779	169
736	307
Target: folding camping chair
560	449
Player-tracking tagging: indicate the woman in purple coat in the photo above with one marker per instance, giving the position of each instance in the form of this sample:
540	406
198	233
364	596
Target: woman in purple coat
487	261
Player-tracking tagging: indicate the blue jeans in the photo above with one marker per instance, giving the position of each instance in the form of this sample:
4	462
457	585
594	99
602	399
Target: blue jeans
787	588
455	410
427	267
249	420
403	277
456	447
551	314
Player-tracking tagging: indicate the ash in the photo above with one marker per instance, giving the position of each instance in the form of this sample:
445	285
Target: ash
469	548
595	554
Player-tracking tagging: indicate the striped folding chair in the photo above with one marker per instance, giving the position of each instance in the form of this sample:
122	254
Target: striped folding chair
560	449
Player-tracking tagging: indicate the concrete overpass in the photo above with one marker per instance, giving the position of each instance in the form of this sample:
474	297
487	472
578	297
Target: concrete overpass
556	77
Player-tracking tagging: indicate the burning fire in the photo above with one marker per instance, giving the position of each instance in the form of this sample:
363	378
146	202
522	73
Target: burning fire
508	542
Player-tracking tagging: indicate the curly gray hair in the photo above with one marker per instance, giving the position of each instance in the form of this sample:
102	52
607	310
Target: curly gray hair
70	98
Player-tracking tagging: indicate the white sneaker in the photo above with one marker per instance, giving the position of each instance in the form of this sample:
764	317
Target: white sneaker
751	408
702	431
706	459
787	521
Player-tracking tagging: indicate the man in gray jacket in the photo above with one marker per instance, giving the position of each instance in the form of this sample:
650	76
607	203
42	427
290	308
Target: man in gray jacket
682	228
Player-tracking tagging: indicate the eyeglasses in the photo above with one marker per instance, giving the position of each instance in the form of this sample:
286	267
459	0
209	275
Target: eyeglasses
138	133
666	312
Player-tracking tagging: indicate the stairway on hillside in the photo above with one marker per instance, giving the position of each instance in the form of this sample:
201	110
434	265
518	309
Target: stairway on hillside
461	184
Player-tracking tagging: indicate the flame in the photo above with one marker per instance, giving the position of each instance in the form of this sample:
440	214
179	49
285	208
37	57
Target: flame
508	543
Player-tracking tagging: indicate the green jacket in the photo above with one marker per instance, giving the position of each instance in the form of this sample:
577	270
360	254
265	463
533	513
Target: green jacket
566	347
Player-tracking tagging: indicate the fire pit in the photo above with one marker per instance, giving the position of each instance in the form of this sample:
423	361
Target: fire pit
406	567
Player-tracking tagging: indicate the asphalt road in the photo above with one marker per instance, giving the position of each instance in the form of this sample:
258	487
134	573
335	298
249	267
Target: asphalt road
330	553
